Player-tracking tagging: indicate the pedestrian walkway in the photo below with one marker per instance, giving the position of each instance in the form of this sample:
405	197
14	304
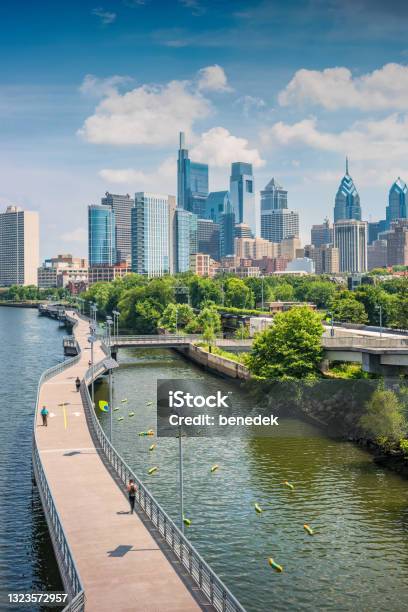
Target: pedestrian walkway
122	567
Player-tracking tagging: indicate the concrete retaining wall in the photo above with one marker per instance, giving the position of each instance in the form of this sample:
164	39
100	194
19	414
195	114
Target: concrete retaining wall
221	365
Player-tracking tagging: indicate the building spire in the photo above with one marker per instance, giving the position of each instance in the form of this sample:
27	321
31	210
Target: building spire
347	165
182	141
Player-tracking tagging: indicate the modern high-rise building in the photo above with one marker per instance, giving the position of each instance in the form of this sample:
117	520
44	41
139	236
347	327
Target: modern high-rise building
277	225
185	243
150	234
242	194
375	228
397	202
273	197
219	209
347	201
208	238
243	230
19	247
325	258
192	182
350	237
101	235
397	243
377	254
322	234
277	221
121	206
255	248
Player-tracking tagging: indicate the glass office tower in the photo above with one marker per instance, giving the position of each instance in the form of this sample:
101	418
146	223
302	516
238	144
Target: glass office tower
101	235
150	234
242	194
347	202
219	209
192	182
186	242
121	206
397	202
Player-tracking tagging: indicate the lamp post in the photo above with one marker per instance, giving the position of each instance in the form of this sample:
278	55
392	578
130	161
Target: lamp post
181	482
116	315
109	323
91	340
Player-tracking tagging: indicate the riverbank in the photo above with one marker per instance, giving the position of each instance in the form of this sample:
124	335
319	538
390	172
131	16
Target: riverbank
33	304
325	413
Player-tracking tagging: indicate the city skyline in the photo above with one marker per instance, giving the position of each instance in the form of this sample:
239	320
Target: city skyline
83	115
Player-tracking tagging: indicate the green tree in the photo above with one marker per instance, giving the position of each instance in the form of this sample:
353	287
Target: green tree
290	348
177	316
204	290
320	293
384	417
346	308
399	308
372	298
209	319
284	292
237	294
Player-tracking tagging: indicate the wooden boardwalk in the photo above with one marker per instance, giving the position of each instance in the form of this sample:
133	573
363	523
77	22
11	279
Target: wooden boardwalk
121	565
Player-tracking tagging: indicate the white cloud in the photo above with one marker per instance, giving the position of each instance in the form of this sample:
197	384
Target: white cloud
161	180
336	88
94	86
386	139
106	17
213	78
149	114
219	147
77	235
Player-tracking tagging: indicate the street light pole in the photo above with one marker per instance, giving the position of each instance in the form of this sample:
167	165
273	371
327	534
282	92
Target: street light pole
181	482
91	340
109	323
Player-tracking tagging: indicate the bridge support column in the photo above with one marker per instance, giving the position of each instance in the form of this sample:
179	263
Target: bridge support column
372	363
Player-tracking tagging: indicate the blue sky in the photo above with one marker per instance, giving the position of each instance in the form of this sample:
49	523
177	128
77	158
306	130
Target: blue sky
93	94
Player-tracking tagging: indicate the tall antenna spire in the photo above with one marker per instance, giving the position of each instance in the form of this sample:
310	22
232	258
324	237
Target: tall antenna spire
182	141
347	165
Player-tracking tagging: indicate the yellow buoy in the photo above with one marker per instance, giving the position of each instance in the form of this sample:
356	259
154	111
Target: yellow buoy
186	521
214	468
152	470
276	566
152	447
131	414
258	508
308	529
289	485
150	432
120	419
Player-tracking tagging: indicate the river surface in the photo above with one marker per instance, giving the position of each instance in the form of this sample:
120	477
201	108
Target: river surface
357	558
29	344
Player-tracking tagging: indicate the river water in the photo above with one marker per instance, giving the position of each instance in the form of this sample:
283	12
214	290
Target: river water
29	344
356	560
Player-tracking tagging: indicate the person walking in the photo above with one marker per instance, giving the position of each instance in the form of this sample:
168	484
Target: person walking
77	383
44	416
131	489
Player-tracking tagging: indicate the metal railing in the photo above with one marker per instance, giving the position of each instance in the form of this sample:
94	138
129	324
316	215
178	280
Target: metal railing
208	582
68	570
346	342
155	339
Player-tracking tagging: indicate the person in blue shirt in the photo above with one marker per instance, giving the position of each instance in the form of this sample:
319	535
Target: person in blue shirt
44	415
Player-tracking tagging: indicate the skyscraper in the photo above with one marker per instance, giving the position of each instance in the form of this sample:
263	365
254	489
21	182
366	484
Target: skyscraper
19	247
185	243
219	209
347	201
208	238
397	243
101	235
121	206
242	193
397	202
350	237
321	234
273	197
192	182
150	234
277	221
